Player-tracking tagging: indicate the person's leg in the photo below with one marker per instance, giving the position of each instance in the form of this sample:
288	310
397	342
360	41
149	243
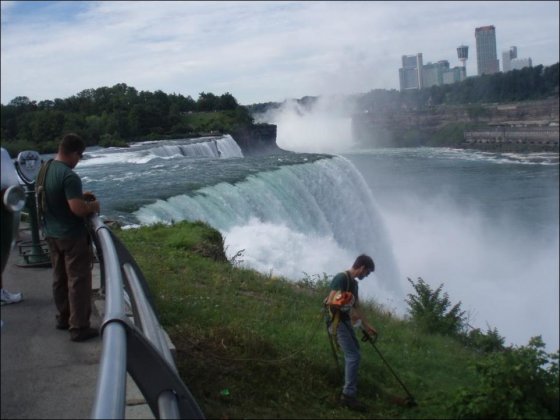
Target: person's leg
8	298
60	282
349	344
78	268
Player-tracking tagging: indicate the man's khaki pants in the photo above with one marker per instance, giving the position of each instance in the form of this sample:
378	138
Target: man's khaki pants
72	263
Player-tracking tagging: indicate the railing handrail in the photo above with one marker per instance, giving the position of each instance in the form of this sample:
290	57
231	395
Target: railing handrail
137	347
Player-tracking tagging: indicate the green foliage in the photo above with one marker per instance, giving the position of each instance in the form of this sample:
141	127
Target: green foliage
217	122
448	135
315	282
488	342
111	140
412	138
429	309
477	111
517	383
112	116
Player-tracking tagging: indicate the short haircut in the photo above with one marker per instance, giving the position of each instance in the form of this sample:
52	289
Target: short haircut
364	260
70	143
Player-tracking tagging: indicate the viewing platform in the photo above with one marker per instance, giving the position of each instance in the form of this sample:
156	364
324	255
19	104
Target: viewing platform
44	374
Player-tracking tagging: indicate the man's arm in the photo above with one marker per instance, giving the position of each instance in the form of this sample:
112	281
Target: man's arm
82	208
357	315
330	297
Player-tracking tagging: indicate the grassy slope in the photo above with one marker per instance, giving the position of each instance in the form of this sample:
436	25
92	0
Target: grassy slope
254	346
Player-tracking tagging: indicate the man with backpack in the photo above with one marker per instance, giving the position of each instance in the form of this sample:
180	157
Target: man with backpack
62	209
343	305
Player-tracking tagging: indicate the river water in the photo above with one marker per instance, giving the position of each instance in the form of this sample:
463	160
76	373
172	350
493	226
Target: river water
485	225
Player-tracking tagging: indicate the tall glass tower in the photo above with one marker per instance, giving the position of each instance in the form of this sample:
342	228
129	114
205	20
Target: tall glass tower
486	52
410	74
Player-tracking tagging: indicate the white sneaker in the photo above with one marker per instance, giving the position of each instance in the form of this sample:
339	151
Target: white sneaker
8	297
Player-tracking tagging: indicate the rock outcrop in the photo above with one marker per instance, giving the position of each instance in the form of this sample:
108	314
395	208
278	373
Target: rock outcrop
256	139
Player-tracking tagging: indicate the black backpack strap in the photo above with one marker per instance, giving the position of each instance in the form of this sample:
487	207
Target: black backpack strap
41	194
347	280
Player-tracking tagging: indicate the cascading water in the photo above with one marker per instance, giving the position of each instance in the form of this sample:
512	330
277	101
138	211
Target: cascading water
215	148
322	209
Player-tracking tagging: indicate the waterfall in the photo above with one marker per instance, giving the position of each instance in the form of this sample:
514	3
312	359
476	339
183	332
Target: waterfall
224	147
306	218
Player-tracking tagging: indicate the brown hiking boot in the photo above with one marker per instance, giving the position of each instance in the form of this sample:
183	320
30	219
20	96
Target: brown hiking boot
352	403
83	334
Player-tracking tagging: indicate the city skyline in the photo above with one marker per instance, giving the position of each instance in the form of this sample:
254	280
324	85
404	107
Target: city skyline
257	51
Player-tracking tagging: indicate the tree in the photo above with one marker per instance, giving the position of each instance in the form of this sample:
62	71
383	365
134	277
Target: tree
23	102
430	310
207	102
227	102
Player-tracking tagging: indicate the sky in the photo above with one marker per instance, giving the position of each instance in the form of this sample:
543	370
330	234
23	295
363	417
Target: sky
257	51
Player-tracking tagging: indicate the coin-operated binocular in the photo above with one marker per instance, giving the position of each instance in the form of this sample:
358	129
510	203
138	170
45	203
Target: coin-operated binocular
34	253
13	200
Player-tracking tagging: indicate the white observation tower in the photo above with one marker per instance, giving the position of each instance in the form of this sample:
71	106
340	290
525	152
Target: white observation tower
463	54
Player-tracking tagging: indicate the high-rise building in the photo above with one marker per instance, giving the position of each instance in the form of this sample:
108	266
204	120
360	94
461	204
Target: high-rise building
486	53
454	75
511	62
410	74
432	74
520	63
507	56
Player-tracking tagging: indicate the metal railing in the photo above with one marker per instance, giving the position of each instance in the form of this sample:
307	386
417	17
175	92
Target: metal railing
136	346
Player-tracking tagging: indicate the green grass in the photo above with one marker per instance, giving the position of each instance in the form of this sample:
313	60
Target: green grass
255	346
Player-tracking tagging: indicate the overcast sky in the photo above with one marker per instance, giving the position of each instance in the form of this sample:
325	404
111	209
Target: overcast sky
257	51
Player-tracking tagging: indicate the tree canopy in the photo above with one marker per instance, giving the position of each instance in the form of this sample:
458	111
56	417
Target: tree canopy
112	115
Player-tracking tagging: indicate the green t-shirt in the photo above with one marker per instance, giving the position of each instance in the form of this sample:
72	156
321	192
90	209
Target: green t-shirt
345	283
62	184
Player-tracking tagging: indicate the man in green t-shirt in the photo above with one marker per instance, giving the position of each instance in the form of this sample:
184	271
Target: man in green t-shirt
63	217
346	309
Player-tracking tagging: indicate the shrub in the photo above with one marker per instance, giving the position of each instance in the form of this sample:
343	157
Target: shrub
517	383
488	342
429	309
112	140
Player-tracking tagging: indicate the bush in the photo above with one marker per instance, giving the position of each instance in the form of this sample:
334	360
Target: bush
430	311
488	342
517	383
114	140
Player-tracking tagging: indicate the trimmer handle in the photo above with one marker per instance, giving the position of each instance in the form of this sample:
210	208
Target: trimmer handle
368	337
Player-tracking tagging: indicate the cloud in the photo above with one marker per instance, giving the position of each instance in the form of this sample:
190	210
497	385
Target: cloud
258	51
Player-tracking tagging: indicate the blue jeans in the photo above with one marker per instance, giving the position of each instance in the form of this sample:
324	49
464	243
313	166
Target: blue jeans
349	344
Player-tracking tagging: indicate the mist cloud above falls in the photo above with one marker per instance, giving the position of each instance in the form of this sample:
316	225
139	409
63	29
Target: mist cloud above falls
320	126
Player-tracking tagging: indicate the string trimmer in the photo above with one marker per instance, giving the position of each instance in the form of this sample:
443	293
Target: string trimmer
410	401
